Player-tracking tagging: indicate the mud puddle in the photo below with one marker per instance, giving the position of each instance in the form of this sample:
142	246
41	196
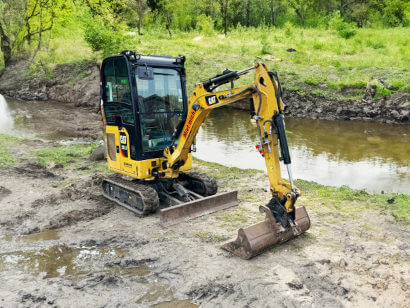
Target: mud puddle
62	261
158	292
48	235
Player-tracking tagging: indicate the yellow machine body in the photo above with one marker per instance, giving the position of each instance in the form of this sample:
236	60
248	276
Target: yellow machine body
138	169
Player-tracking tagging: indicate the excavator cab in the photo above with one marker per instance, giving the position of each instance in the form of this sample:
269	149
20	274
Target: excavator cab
147	98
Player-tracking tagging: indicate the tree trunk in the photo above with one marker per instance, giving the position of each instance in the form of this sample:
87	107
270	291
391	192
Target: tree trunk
272	13
40	29
5	46
302	20
248	13
168	24
225	17
224	11
28	36
225	25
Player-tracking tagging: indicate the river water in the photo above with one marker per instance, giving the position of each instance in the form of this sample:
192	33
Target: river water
363	155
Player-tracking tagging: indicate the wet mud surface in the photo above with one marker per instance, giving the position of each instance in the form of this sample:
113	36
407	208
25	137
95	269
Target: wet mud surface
65	245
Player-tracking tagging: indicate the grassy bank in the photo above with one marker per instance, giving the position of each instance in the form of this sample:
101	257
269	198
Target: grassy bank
324	63
6	143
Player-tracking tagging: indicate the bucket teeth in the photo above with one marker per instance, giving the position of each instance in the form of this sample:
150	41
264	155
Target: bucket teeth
255	239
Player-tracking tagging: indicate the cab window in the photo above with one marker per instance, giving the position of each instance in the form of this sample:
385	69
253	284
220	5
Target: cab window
117	86
116	91
161	107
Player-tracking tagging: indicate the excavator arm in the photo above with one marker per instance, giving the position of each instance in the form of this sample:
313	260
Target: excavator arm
283	220
268	117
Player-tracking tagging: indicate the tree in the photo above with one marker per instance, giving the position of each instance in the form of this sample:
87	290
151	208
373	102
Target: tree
140	7
43	18
11	26
301	8
223	5
275	8
112	12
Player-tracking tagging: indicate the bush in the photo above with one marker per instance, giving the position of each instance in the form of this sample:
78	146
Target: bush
395	13
101	38
205	24
344	29
266	47
288	29
382	92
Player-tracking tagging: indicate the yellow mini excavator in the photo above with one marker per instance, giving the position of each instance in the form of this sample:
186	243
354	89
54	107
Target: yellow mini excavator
151	125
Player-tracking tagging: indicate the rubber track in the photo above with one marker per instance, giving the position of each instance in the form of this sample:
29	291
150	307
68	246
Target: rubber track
209	182
149	195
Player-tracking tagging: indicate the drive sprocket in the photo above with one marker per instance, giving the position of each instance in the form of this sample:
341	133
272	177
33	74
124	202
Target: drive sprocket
200	183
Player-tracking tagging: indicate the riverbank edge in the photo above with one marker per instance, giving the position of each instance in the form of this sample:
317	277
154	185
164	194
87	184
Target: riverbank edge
77	156
78	84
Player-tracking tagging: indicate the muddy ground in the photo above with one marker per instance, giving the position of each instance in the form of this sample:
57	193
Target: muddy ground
62	244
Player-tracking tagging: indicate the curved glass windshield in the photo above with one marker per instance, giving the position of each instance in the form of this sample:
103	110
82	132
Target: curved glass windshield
160	103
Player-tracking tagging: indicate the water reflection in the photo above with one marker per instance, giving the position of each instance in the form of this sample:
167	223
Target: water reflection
368	155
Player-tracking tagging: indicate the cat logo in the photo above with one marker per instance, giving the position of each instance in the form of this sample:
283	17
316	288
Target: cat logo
211	100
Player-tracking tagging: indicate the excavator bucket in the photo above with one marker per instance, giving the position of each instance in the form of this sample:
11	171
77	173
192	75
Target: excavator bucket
259	237
200	207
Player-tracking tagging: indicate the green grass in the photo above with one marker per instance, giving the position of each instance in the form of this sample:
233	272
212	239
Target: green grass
323	61
229	173
65	155
7	142
398	204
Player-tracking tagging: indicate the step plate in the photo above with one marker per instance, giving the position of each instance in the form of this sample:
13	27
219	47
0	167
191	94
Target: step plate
178	213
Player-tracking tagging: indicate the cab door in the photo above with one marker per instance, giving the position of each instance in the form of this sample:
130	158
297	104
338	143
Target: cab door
118	111
113	146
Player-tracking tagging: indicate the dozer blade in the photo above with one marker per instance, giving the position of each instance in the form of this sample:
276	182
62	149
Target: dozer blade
178	213
255	239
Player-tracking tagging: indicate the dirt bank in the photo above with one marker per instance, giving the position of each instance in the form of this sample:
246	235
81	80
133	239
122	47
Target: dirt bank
394	109
78	84
62	244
